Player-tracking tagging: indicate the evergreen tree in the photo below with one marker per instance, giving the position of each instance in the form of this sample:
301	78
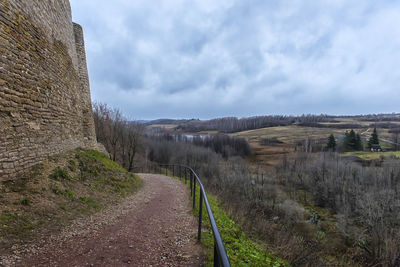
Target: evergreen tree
358	143
352	141
331	143
373	140
346	141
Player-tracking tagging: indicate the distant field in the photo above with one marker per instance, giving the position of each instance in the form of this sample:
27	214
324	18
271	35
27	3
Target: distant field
354	121
163	126
208	132
292	134
289	134
372	155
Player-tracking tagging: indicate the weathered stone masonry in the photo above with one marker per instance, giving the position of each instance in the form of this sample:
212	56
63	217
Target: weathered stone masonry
45	105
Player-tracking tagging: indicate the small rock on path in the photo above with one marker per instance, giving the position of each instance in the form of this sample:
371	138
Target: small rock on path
154	227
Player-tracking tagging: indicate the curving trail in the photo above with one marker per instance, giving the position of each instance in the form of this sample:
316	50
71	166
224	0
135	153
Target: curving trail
154	227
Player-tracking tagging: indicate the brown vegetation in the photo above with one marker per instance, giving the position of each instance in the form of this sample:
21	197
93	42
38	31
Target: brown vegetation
365	200
222	144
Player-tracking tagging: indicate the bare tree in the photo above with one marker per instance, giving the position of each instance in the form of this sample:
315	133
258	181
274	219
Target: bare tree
120	137
134	139
395	137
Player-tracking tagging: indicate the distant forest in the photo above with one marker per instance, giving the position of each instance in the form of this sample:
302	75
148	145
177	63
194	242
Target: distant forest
233	124
222	144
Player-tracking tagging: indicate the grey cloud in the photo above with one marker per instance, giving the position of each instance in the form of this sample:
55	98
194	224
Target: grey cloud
242	58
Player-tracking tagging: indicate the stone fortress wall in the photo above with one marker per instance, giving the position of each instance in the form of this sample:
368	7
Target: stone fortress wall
45	105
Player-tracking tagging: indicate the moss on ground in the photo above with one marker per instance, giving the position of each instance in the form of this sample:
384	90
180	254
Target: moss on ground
61	189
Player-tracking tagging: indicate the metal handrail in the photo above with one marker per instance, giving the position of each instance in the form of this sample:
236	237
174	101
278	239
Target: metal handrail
220	256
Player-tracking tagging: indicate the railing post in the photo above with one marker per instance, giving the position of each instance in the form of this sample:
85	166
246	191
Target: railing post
191	182
194	191
173	170
200	214
185	175
216	260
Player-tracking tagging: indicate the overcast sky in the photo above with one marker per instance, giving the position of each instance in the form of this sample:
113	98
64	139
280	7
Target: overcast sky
214	58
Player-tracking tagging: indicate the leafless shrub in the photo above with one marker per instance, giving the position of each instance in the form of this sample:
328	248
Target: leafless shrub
122	138
367	199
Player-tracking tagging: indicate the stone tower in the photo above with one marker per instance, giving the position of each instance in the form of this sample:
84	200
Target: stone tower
45	104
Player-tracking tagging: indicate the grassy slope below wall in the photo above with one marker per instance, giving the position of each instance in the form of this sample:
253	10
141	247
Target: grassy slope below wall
57	191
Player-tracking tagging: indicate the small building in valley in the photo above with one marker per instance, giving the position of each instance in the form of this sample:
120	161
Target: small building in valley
376	148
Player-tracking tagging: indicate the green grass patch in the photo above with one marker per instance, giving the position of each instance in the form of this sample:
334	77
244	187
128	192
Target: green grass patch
385	145
85	157
68	193
107	175
72	165
57	191
90	202
367	155
208	132
59	174
25	201
121	186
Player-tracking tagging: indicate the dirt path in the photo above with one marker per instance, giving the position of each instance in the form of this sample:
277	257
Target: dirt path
154	227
